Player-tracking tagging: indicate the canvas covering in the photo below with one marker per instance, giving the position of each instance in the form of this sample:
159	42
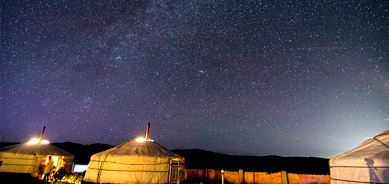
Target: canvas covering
367	163
132	162
26	158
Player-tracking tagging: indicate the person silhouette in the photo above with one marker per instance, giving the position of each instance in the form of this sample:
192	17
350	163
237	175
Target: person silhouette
48	169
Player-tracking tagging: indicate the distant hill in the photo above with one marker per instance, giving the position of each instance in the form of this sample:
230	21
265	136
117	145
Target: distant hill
6	144
82	152
201	159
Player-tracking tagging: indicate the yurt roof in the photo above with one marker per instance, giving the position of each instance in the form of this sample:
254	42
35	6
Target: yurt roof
383	133
35	149
376	149
140	148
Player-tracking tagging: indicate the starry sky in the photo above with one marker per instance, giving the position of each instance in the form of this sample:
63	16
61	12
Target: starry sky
287	78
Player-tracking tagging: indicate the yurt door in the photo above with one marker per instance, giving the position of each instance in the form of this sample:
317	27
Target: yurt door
175	171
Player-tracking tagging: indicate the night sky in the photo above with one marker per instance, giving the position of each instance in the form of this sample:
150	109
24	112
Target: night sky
287	78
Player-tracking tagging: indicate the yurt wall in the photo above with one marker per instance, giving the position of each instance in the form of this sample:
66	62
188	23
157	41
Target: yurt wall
367	163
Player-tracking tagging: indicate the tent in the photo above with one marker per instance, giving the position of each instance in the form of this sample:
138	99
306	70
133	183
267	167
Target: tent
27	158
136	161
367	163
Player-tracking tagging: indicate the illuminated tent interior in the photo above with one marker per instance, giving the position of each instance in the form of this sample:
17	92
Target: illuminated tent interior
27	158
367	163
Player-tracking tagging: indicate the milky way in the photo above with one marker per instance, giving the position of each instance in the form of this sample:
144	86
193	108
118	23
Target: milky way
288	78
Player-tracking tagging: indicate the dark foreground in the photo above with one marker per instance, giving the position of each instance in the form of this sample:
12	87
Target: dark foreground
6	178
11	178
17	178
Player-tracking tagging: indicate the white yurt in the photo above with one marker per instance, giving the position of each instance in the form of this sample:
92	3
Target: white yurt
27	158
136	161
367	163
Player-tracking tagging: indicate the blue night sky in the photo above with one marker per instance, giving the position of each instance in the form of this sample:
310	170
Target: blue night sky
287	78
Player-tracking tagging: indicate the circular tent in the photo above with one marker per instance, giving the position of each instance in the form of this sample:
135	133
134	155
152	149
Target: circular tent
27	158
135	162
367	163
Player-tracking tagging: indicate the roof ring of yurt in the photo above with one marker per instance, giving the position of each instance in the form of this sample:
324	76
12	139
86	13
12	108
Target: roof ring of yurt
29	157
136	161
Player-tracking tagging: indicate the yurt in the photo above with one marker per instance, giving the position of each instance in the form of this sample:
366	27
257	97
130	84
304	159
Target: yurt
136	161
367	163
27	158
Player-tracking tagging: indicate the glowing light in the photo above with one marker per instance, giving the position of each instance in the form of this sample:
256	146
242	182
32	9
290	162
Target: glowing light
143	140
35	141
54	158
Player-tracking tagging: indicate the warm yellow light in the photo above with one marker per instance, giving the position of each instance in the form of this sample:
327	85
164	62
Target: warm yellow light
35	141
54	158
143	140
45	142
